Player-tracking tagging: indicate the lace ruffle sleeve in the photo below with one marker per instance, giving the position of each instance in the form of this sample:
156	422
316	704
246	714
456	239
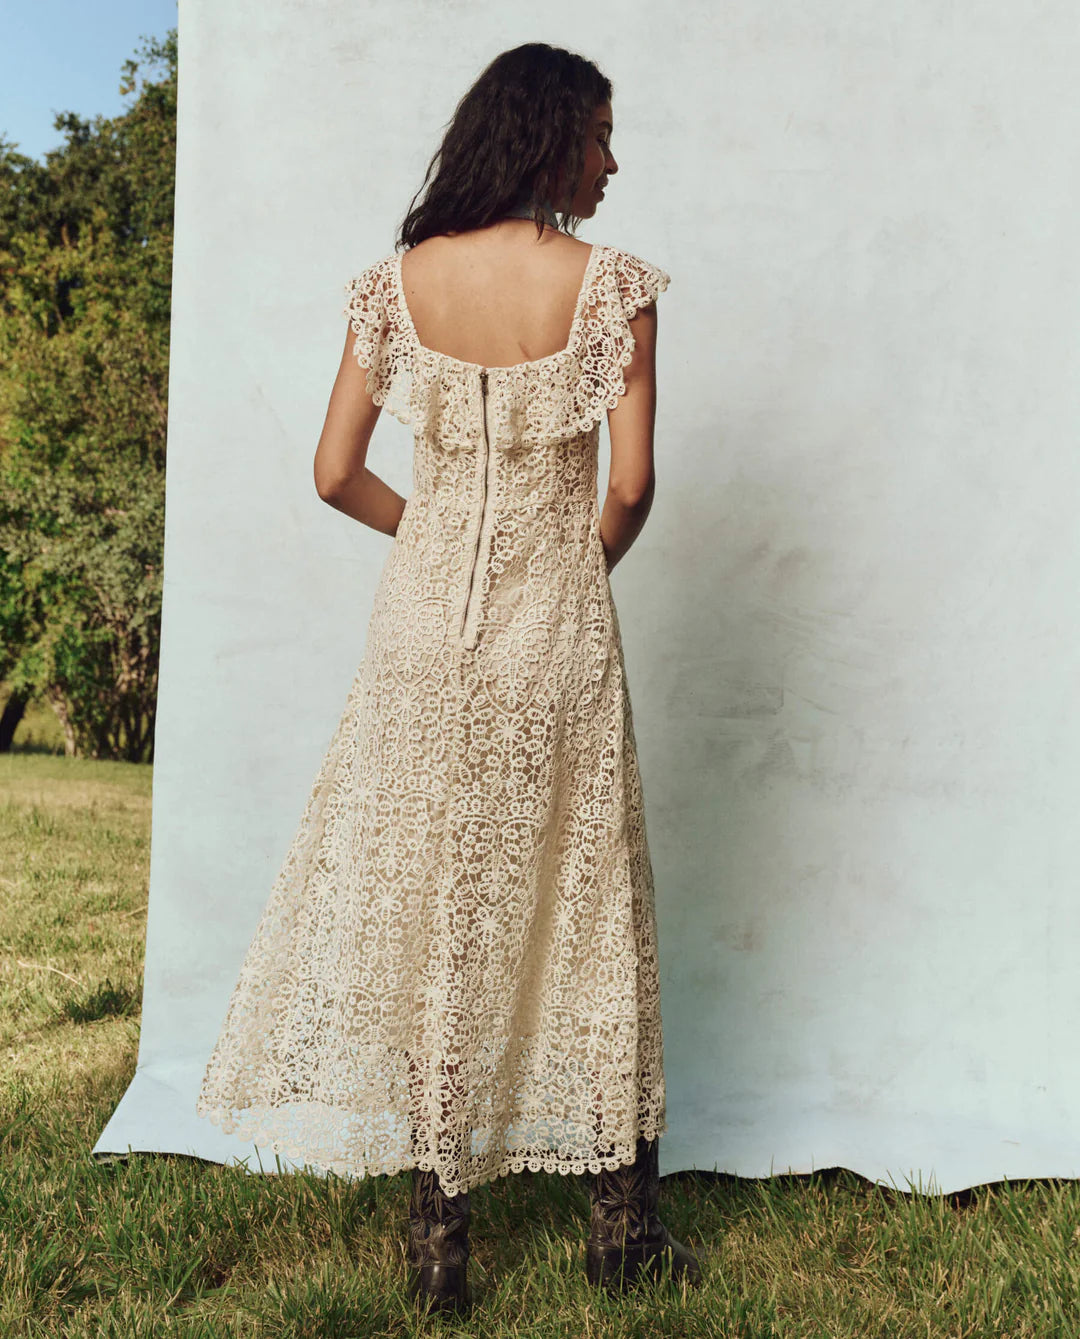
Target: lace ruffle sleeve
382	344
638	282
627	284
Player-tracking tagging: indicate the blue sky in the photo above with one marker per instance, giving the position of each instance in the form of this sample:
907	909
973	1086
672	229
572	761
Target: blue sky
64	55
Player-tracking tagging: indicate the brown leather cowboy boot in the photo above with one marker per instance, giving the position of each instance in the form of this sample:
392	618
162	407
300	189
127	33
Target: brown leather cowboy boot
438	1244
626	1236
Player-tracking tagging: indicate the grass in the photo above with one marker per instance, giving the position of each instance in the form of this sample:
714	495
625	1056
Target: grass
164	1245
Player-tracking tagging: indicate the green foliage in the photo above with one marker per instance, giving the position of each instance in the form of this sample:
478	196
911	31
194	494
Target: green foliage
85	278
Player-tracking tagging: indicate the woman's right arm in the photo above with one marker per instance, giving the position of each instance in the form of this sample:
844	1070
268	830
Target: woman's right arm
342	478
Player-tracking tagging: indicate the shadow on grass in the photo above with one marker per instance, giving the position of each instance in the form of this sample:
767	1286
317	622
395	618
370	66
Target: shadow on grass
104	1000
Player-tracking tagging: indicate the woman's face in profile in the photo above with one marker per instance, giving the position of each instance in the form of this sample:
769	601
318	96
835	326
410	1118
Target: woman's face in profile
599	163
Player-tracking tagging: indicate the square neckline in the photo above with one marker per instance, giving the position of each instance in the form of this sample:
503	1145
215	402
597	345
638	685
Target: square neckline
579	308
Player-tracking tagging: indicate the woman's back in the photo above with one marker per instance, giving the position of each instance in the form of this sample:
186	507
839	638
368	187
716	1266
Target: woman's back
495	296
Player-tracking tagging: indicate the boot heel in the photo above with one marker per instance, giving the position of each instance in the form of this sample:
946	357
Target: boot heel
614	1269
442	1287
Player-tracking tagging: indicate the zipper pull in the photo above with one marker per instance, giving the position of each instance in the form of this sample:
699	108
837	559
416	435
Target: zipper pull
483	380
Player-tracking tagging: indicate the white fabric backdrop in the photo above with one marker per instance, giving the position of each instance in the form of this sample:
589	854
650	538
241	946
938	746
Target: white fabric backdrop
847	622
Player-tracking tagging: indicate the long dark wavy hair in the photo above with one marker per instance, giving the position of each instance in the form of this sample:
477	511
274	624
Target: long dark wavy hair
516	136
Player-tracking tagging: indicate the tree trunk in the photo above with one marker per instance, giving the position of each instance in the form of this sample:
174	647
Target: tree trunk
14	709
59	705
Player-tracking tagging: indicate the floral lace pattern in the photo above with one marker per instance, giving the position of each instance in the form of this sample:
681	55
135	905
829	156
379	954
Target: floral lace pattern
457	966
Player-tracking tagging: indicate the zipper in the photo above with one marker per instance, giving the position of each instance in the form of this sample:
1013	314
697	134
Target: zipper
474	586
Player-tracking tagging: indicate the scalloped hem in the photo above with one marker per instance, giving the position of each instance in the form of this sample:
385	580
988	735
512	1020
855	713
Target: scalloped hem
551	1162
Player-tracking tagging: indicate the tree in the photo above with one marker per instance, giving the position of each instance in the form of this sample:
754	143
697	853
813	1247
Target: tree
85	277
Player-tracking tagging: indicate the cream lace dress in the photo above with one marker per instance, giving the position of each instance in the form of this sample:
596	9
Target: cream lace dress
457	965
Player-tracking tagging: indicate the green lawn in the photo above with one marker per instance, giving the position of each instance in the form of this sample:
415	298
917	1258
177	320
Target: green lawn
169	1245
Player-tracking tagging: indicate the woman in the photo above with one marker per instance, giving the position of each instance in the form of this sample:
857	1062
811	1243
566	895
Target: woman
457	969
